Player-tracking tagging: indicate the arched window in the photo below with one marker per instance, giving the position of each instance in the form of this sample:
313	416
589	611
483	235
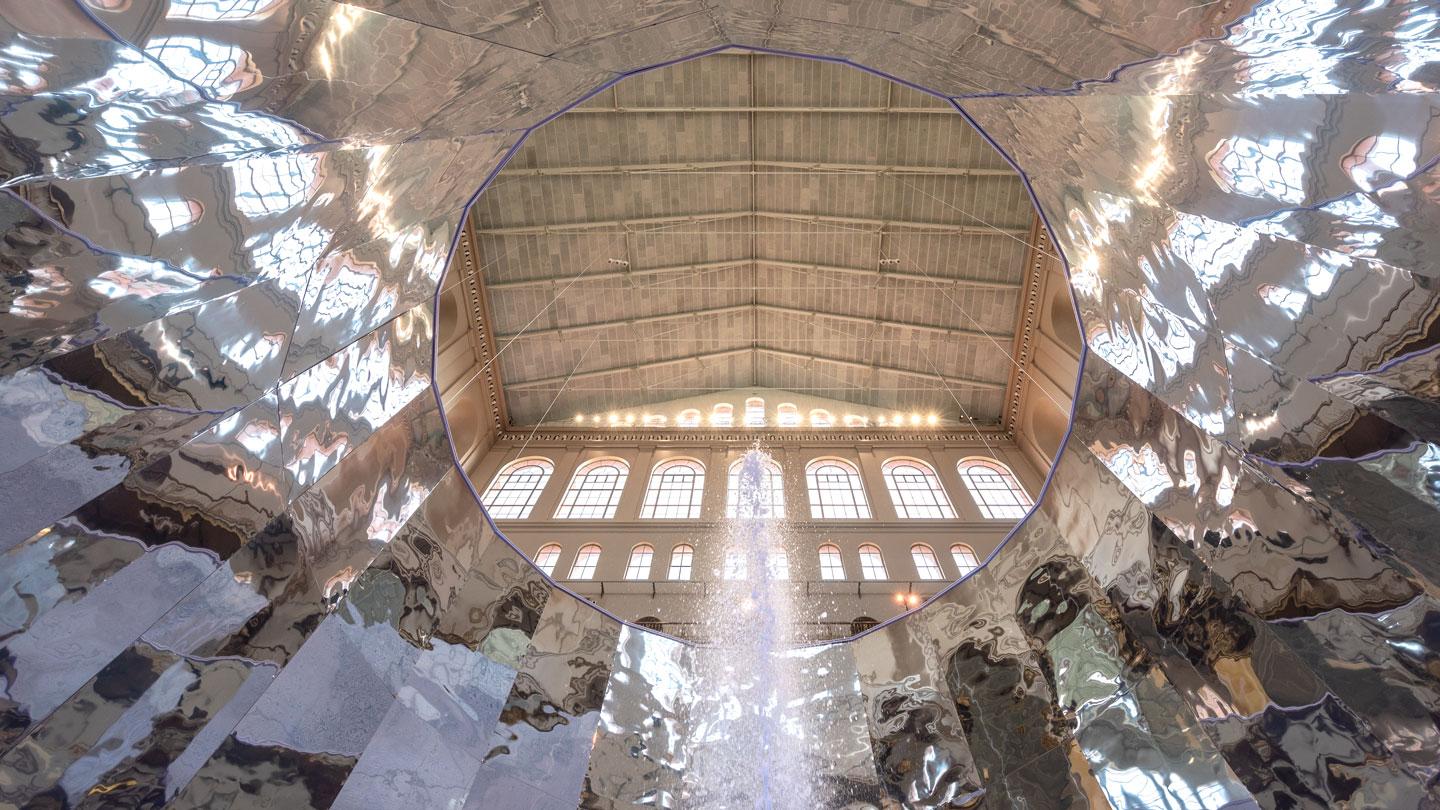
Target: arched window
594	492
787	414
516	488
547	557
770	500
926	565
872	565
722	415
915	490
779	563
682	557
855	420
964	557
821	418
654	420
639	565
675	490
832	567
585	561
836	491
755	412
690	417
860	624
651	623
994	489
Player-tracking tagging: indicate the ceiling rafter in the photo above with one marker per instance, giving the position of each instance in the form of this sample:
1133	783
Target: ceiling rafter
703	267
634	368
749	108
722	216
706	166
944	331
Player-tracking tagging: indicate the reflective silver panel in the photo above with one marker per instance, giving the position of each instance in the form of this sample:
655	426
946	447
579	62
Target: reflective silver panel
240	568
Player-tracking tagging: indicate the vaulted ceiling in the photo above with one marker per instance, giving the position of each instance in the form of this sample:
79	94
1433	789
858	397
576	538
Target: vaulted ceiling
754	220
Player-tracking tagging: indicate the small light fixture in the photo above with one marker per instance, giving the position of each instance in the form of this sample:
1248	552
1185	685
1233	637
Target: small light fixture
880	421
914	418
579	418
932	420
629	418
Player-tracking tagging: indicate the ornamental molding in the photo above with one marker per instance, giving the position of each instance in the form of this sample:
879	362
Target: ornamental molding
761	436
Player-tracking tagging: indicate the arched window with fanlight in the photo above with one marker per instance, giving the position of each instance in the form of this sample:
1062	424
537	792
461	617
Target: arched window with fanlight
675	491
755	412
836	491
682	560
547	557
722	415
769	501
690	417
594	491
995	489
787	414
964	557
860	624
927	566
586	560
515	489
638	567
832	567
915	490
872	564
821	418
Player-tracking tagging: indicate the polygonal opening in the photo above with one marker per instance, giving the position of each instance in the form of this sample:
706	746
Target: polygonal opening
748	247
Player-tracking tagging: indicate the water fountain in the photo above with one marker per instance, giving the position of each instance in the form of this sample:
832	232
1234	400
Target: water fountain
751	749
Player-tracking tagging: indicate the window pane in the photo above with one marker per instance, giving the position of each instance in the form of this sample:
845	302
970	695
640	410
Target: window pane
675	491
779	564
585	561
681	560
516	488
995	489
836	491
926	566
916	491
639	565
771	492
831	566
755	412
547	557
965	559
594	492
872	565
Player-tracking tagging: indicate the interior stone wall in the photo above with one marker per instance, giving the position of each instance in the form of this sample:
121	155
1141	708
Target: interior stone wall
242	569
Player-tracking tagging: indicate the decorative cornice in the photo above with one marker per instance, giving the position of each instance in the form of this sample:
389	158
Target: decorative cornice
701	436
1029	315
479	320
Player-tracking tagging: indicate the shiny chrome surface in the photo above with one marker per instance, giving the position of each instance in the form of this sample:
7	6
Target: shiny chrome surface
240	568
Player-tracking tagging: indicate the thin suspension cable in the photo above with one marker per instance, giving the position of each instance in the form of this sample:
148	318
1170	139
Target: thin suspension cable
548	304
977	219
555	398
1004	351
